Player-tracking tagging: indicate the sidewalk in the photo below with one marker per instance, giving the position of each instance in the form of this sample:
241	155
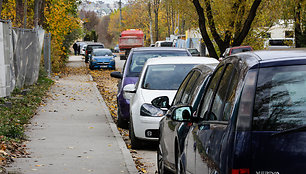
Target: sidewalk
74	133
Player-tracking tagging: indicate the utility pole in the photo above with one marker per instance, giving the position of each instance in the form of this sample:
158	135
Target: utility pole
120	16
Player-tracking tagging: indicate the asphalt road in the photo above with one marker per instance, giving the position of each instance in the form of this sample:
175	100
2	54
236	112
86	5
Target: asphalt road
147	155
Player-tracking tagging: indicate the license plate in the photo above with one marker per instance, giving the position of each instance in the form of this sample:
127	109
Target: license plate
103	66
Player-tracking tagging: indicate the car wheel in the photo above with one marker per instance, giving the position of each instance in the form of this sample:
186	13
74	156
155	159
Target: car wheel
121	122
135	142
91	67
160	161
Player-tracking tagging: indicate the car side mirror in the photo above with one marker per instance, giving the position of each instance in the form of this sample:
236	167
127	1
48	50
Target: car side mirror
116	74
182	114
161	102
129	91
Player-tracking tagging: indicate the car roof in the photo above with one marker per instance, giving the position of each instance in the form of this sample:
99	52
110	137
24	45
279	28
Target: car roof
95	43
279	54
271	57
102	49
157	49
181	60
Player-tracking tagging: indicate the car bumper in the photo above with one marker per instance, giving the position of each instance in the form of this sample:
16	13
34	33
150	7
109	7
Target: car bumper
147	128
102	65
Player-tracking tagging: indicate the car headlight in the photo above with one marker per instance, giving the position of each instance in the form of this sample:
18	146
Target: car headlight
94	60
150	110
112	59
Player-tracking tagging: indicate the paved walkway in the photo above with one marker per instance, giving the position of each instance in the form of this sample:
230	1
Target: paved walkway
74	133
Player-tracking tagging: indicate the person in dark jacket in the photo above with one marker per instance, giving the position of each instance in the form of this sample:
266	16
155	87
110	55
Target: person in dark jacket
75	48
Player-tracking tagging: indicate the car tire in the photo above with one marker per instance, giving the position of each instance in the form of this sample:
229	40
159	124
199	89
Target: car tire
91	67
135	142
161	169
121	122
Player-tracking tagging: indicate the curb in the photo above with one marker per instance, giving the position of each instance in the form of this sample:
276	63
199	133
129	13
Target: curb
129	162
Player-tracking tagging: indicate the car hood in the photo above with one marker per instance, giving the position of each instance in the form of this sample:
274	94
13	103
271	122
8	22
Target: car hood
149	95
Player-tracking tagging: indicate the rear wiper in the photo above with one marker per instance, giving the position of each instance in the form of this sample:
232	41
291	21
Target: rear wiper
293	130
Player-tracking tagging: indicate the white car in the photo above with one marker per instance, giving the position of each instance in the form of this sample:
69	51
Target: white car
159	77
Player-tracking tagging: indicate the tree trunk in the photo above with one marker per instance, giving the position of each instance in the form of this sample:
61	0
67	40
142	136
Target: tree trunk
1	2
19	13
247	25
150	18
25	14
297	25
36	7
156	9
202	26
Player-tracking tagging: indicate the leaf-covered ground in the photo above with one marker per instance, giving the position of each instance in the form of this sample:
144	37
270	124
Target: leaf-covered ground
108	89
15	113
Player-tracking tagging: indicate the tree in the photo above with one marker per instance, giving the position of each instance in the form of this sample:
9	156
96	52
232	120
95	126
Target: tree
233	38
156	4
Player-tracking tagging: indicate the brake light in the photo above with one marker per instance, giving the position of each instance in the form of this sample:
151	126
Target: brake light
240	171
86	51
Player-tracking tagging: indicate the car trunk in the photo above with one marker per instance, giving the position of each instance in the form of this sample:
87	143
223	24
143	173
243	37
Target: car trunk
274	153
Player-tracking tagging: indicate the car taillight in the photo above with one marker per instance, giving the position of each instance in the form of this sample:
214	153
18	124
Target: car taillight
86	51
240	171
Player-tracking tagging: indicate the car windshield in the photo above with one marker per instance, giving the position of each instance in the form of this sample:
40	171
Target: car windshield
239	50
140	58
165	77
102	53
193	51
280	98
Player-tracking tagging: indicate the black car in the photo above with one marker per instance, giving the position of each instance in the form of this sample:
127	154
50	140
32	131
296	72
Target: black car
173	132
90	47
251	118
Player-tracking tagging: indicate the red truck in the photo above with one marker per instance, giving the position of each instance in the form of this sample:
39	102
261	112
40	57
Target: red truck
129	39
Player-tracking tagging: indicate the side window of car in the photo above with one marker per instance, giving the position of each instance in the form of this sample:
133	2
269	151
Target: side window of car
210	91
180	91
229	103
220	98
190	86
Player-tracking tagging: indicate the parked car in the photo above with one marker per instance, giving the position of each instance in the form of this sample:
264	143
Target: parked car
234	50
90	47
279	43
173	132
251	118
194	51
101	58
160	76
131	72
163	44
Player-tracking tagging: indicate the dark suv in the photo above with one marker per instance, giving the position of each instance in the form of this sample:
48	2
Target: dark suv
252	118
89	49
131	72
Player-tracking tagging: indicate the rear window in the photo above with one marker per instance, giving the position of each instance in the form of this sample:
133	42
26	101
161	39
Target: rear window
165	77
281	42
280	98
102	52
140	58
239	50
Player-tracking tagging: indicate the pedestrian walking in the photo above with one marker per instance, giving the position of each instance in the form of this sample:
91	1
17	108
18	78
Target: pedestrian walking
75	48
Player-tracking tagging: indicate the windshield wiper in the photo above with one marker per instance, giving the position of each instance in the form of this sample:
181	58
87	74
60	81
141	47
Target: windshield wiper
293	130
